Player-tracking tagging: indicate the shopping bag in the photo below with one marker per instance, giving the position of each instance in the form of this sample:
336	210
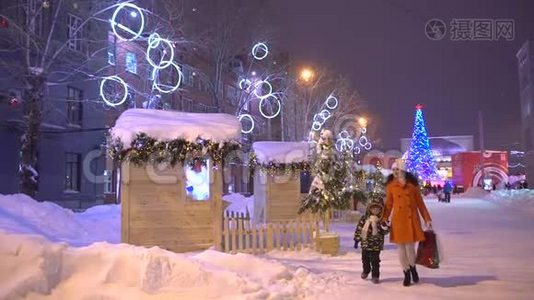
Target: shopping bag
427	251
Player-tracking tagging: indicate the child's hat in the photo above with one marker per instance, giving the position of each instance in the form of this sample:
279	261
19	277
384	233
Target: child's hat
375	204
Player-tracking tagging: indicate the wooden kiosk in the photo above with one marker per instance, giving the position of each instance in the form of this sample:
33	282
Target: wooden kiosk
171	182
277	179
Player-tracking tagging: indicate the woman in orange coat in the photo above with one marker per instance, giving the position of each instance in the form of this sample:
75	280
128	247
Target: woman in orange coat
404	202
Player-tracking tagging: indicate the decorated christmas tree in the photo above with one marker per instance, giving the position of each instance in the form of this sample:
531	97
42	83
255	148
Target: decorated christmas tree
377	193
420	159
327	190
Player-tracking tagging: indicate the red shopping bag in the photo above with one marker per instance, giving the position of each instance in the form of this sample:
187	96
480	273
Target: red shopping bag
427	251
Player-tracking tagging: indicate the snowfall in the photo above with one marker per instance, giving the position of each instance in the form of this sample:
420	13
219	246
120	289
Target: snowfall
47	252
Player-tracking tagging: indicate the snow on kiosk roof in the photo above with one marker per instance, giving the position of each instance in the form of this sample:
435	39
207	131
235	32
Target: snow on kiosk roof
281	152
169	125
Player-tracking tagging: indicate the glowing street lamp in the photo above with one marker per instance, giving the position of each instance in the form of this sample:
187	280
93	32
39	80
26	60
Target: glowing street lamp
307	74
362	122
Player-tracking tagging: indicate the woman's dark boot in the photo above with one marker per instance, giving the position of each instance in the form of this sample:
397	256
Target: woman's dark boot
407	278
415	276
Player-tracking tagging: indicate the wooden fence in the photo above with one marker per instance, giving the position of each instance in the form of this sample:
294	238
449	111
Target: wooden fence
345	216
241	234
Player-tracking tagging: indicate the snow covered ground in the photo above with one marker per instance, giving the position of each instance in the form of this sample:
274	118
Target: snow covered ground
47	252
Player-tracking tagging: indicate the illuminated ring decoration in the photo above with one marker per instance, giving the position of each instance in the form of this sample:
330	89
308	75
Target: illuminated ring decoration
325	114
316	126
357	150
259	47
330	105
244	84
344	134
340	145
317	118
364	130
260	85
115	24
363	141
368	146
349	144
160	87
154	40
251	121
120	81
274	114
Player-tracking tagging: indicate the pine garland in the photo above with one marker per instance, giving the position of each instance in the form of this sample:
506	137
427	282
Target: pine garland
144	149
275	168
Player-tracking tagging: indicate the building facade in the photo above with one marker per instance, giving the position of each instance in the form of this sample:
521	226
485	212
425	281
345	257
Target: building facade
72	167
71	143
525	62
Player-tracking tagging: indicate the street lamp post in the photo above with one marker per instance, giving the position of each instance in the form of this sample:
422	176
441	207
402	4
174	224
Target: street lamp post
306	76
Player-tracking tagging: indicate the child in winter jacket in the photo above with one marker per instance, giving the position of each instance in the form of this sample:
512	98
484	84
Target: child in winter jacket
370	233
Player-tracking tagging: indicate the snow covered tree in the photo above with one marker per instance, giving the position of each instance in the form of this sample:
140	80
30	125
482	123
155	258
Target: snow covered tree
327	190
378	189
420	159
305	98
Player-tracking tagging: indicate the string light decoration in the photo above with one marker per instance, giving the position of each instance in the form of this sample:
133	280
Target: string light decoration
260	51
327	188
420	159
319	119
163	47
245	84
166	88
274	168
270	102
118	80
154	41
249	117
134	12
259	86
144	149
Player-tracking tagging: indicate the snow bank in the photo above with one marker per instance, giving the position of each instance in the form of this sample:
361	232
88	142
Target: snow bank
240	203
520	199
281	152
474	192
21	214
34	267
168	125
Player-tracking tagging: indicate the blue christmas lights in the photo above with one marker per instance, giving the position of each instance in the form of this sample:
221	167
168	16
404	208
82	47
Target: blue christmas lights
420	159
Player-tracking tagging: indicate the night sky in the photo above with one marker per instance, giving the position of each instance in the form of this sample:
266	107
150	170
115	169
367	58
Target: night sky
382	47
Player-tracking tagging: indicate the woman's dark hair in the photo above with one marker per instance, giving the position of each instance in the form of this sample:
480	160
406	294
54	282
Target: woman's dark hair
409	178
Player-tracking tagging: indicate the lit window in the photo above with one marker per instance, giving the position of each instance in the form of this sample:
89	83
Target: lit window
72	172
198	181
131	62
112	49
75	33
74	106
108	182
